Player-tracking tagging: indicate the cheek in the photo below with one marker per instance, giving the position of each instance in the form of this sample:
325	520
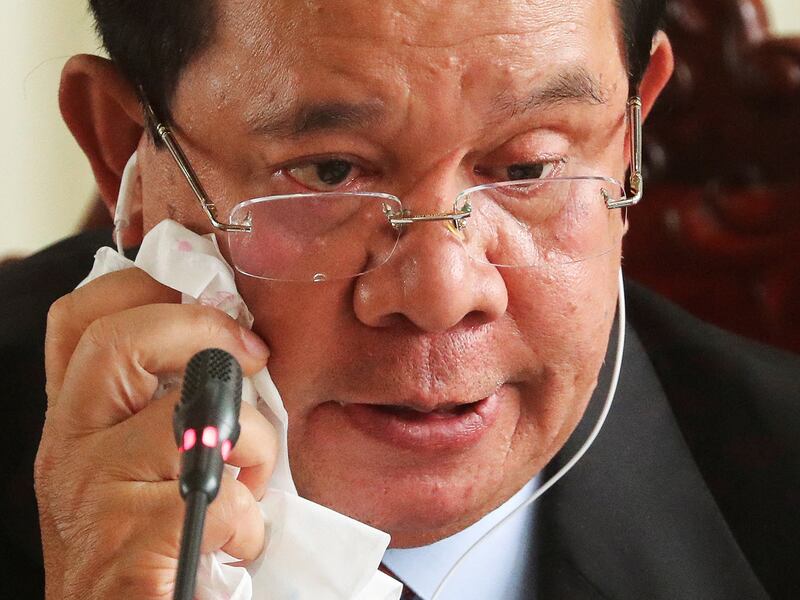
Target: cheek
166	195
303	325
564	314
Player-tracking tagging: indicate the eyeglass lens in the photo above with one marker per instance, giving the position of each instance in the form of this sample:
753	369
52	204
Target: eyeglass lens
327	236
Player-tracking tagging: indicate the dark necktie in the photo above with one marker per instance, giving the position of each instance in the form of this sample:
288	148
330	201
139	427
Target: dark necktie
408	593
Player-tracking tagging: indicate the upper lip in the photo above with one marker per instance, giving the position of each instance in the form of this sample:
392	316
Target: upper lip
427	408
430	403
431	372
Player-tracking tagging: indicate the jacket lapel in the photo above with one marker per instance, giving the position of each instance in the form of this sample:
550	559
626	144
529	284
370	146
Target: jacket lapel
634	519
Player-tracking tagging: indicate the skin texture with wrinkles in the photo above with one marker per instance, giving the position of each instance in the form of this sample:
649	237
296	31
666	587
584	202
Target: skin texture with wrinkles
419	99
438	97
431	324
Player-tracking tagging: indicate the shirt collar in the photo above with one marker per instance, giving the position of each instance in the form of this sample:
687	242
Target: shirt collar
506	554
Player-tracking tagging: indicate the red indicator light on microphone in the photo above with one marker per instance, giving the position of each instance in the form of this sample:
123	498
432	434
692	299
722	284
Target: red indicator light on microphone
210	437
189	439
226	449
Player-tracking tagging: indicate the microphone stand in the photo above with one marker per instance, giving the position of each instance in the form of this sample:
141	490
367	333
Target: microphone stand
206	427
193	522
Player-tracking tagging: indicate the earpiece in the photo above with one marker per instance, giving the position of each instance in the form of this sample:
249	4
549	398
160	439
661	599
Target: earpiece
122	211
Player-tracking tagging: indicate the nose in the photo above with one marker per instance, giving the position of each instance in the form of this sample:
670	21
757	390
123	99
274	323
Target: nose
430	279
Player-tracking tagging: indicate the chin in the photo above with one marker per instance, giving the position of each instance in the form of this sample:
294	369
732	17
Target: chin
374	464
414	509
417	495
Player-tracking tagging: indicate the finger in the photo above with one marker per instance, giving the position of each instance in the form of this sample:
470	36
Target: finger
143	448
70	315
256	452
113	371
151	519
233	522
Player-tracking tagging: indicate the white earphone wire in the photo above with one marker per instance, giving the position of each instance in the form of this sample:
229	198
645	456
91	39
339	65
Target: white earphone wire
576	457
122	211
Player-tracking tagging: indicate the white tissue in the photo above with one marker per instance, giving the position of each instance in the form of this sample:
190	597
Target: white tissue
311	552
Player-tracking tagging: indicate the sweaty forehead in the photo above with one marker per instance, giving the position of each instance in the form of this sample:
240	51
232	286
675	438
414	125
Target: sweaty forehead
266	53
424	24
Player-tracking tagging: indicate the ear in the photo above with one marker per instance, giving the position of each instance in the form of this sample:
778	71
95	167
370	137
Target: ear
102	110
658	73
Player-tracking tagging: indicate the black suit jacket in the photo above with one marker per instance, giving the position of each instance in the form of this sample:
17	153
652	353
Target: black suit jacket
691	491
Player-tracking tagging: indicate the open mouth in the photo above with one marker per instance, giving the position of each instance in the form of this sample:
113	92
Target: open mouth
443	412
454	426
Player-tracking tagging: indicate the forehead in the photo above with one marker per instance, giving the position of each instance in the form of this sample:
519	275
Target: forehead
267	53
407	22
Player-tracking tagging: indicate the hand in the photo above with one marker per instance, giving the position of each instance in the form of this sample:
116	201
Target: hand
107	467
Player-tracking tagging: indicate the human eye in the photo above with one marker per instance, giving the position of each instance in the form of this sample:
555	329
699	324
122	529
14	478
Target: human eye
538	169
324	174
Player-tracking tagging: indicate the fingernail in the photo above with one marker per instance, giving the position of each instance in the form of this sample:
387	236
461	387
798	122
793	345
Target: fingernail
254	344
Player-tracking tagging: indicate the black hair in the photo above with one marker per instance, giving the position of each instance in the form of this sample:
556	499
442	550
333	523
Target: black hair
152	41
641	20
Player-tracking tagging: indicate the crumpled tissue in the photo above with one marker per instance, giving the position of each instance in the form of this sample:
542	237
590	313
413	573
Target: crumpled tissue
311	552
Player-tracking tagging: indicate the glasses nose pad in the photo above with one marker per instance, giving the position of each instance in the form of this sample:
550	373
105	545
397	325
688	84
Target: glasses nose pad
456	228
477	233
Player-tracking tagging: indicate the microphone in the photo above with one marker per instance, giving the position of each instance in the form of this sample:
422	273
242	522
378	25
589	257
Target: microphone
206	427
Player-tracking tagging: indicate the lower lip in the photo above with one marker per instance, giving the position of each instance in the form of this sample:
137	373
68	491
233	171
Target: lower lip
423	431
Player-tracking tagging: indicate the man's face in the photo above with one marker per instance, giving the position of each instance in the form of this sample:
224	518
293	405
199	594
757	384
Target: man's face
507	357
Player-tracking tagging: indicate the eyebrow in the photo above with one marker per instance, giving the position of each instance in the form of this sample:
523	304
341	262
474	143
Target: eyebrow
573	86
317	116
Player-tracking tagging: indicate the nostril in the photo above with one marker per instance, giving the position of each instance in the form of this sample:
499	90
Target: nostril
433	285
476	318
394	320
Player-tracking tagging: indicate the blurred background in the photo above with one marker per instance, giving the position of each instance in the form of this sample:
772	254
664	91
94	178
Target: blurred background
45	182
719	233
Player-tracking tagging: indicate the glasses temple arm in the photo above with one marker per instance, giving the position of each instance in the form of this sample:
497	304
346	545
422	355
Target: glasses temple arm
165	134
636	180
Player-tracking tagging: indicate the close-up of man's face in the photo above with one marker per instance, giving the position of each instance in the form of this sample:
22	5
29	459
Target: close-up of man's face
425	392
408	300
